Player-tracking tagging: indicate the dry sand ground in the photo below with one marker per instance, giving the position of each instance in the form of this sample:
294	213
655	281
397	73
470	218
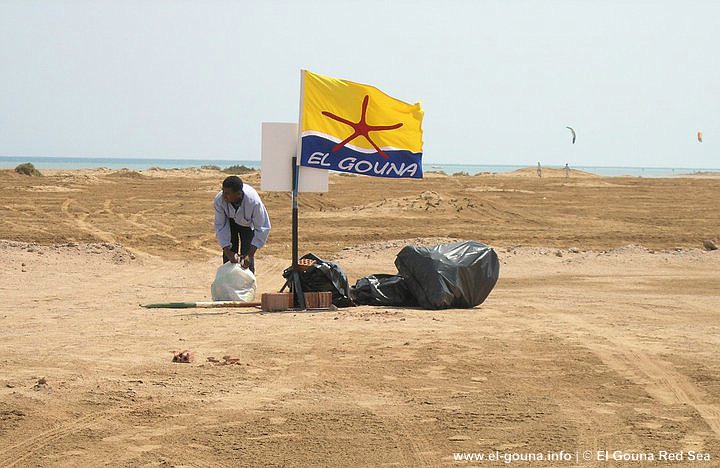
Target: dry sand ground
585	343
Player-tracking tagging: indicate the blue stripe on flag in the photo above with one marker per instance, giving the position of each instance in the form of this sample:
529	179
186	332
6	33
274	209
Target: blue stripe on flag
316	152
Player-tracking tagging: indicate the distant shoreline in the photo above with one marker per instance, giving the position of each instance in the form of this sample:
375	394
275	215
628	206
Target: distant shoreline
141	164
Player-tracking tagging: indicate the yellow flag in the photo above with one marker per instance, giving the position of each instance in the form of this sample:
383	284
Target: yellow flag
353	127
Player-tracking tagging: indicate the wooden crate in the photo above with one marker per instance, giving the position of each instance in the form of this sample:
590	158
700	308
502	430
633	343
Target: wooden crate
318	300
275	302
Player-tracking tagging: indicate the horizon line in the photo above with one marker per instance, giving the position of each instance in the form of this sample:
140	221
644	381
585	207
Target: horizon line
120	158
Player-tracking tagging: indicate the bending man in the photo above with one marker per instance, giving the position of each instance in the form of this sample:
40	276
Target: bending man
242	223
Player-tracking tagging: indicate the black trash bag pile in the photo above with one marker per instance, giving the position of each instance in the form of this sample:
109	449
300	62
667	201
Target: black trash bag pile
456	275
324	276
382	289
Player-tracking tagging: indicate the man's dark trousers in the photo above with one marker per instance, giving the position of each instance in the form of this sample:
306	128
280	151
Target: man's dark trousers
241	237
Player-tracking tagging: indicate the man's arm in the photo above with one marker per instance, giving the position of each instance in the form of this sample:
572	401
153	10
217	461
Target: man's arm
261	230
222	231
261	227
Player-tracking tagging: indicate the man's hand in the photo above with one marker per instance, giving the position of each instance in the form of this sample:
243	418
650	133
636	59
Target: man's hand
247	260
232	256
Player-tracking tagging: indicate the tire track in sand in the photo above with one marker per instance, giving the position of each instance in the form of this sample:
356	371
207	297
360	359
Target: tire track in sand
31	445
660	380
415	448
79	221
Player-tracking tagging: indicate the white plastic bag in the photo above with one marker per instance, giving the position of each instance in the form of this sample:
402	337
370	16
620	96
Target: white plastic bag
233	283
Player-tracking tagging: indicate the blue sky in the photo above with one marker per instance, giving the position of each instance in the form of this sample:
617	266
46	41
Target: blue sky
499	80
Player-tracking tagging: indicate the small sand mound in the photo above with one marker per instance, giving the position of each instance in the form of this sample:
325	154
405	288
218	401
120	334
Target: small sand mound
426	201
430	198
126	174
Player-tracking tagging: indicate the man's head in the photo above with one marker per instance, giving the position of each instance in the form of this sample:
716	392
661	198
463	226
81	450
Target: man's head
232	189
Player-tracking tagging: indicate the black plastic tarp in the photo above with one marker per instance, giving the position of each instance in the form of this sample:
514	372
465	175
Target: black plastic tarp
324	275
456	275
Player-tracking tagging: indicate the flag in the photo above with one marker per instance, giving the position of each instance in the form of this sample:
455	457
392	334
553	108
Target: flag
353	127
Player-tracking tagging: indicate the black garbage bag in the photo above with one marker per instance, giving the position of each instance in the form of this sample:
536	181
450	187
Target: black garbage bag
382	289
457	275
324	275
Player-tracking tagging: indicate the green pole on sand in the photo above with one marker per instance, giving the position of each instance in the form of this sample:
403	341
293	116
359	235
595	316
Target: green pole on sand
205	305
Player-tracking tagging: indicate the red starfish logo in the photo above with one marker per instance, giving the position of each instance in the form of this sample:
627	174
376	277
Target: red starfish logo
361	128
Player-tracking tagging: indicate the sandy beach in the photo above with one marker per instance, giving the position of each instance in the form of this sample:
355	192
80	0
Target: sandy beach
601	334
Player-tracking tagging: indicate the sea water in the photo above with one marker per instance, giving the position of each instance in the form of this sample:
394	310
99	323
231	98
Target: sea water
141	164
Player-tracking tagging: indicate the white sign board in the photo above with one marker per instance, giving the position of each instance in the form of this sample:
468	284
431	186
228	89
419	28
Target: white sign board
279	144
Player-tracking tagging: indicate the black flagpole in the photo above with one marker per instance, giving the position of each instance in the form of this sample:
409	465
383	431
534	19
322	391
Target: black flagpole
294	280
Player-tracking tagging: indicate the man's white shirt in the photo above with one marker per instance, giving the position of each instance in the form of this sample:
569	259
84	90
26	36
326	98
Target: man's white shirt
250	213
